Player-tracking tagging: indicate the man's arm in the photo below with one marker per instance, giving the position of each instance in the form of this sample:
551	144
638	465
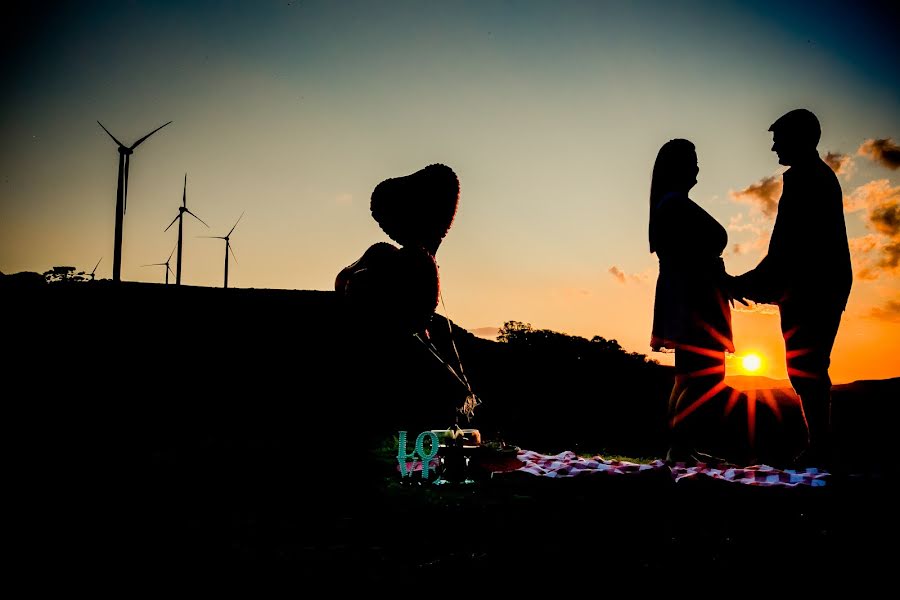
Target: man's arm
758	284
767	282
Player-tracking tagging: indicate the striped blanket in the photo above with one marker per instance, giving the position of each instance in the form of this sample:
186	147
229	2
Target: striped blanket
568	464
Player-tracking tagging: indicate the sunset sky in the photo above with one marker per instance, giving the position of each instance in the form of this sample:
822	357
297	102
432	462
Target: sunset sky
551	114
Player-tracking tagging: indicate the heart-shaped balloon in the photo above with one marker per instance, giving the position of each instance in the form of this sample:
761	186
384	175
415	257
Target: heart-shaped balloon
390	287
417	209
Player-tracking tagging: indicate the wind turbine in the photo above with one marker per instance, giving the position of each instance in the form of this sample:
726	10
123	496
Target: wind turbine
125	153
227	246
180	218
165	264
95	268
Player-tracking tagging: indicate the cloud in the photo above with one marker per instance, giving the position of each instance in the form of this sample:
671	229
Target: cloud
759	244
865	267
763	194
841	164
737	223
572	292
618	274
623	277
759	228
643	276
870	195
883	151
876	253
864	244
873	261
756	309
889	312
886	219
890	256
486	332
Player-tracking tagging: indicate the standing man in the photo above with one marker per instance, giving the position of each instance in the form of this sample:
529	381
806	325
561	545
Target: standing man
807	270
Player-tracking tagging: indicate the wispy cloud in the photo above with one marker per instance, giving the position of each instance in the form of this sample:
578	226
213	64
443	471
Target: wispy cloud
863	244
889	312
618	273
876	253
886	219
739	223
763	194
757	309
861	253
883	151
870	195
571	293
623	277
486	332
760	242
890	256
841	164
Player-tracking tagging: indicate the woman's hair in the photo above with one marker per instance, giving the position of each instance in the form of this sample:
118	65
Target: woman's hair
668	172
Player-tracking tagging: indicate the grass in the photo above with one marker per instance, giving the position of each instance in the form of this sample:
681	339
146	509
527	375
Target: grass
642	460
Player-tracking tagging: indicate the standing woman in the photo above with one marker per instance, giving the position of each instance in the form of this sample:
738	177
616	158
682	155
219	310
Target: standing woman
691	314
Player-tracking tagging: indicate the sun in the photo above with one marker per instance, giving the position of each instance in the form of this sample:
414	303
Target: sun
751	363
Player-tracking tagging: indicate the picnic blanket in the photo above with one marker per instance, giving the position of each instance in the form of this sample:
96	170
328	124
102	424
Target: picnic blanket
568	464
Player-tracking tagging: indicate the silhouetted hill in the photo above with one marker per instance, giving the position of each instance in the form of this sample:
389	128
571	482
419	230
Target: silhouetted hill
295	360
156	423
295	366
756	382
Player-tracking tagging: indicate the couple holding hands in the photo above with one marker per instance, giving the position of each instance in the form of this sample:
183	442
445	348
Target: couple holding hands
806	273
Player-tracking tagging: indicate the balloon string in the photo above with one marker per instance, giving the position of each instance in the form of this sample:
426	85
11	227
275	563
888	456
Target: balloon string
468	407
434	353
465	379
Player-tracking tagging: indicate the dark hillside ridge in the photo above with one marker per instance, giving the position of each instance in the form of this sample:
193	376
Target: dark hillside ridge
153	423
151	360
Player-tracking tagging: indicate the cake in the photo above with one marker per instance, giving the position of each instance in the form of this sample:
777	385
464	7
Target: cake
467	438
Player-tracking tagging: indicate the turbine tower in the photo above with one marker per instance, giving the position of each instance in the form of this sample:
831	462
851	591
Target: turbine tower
164	264
95	268
125	153
227	246
180	218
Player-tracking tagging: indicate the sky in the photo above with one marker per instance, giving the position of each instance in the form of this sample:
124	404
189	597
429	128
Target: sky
550	113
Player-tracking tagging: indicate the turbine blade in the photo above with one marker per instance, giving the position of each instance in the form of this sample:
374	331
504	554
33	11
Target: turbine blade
155	265
172	223
184	193
170	269
228	247
171	253
196	217
215	237
141	141
235	224
97	265
110	135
